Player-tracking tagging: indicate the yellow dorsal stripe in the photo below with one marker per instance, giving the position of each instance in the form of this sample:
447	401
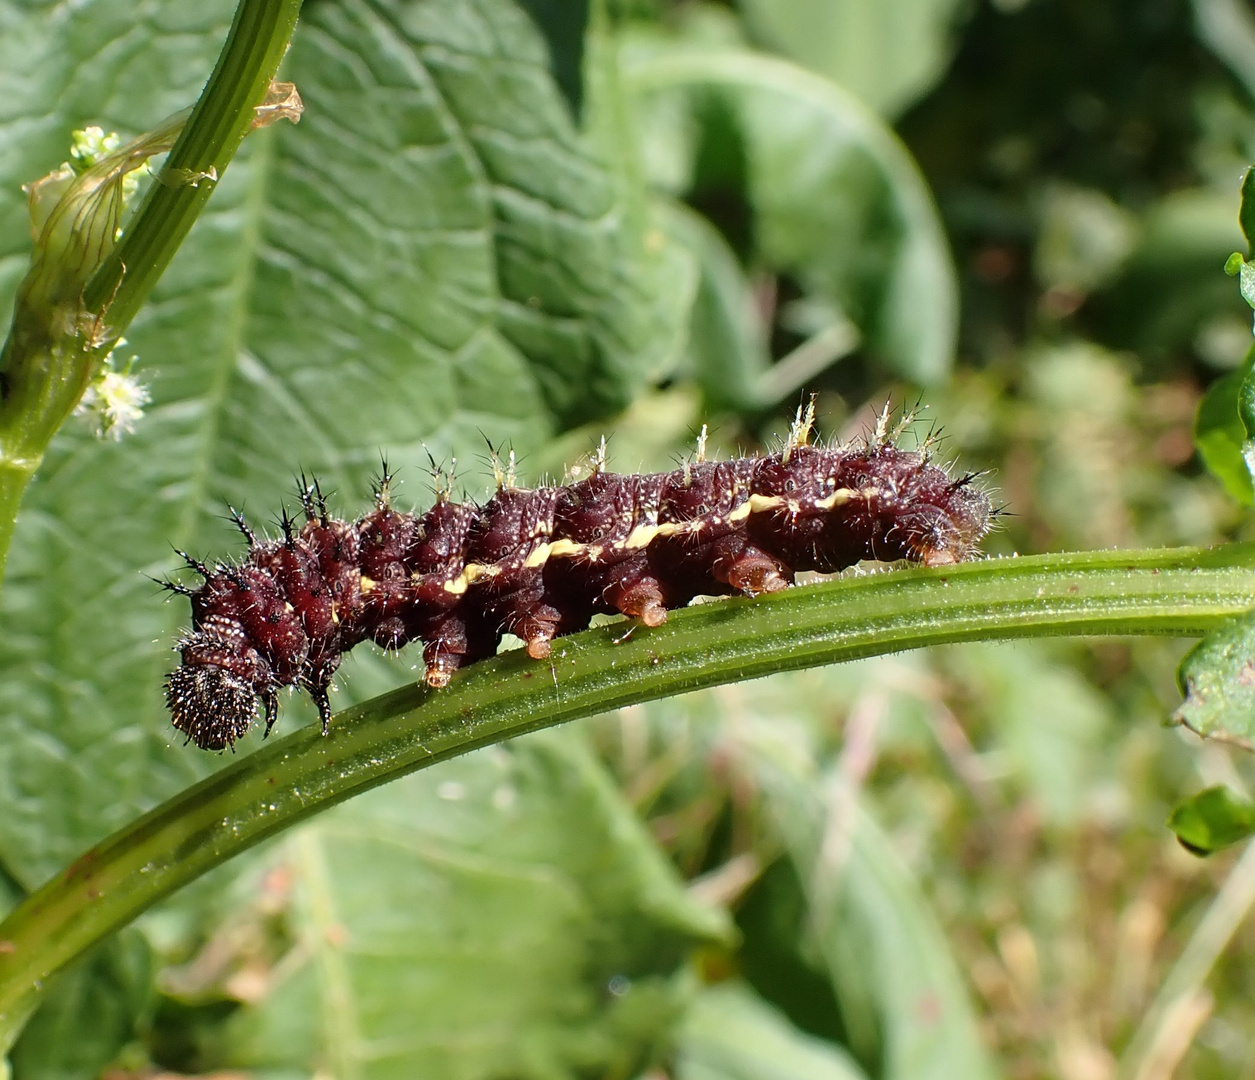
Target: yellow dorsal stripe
640	537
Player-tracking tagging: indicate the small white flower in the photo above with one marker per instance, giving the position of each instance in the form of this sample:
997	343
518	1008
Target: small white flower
115	398
89	145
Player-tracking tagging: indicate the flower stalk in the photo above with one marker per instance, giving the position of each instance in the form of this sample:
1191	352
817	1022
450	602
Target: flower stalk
87	280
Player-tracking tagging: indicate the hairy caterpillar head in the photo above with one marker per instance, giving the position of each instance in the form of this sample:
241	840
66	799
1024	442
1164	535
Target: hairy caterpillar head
948	529
211	705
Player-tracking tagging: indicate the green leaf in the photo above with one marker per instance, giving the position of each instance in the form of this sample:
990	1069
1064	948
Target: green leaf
89	1014
435	251
838	201
505	914
1246	409
727	344
1235	264
1217	677
564	24
1220	436
730	1033
901	991
1246	212
727	339
1246	282
928	1025
887	52
1213	819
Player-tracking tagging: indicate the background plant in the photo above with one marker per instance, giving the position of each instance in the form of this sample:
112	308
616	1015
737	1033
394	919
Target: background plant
522	218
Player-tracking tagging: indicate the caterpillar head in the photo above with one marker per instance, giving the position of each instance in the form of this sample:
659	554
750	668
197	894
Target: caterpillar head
210	704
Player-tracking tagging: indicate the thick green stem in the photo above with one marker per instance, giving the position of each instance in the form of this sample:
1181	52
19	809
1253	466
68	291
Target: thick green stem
53	348
1150	592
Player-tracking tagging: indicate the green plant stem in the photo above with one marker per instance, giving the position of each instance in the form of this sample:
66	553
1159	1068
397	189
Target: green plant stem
47	368
1178	592
222	116
15	474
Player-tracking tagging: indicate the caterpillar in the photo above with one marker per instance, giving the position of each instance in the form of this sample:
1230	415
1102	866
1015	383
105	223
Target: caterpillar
539	563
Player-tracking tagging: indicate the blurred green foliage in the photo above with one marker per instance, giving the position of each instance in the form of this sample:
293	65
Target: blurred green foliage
547	221
1213	819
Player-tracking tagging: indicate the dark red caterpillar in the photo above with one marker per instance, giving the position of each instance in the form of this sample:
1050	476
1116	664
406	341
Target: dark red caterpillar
539	563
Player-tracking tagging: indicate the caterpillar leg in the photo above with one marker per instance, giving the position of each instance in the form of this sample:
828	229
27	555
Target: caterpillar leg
639	598
452	643
538	633
749	570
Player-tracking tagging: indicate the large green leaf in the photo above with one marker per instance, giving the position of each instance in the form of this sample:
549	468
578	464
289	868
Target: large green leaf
837	201
864	922
503	915
727	336
881	941
434	251
888	52
732	1034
